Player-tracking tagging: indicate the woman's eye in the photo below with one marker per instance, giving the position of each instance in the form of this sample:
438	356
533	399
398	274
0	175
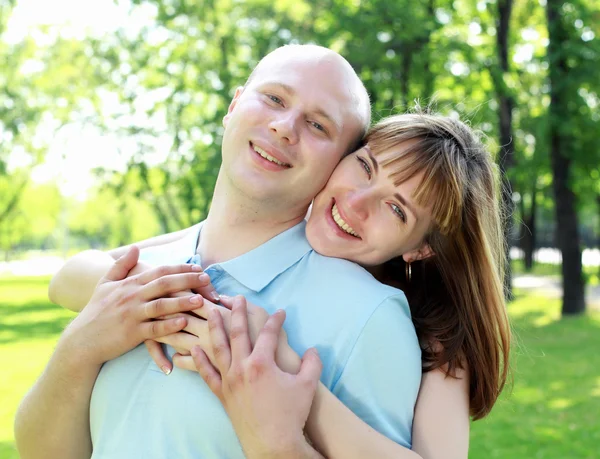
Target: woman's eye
398	211
365	166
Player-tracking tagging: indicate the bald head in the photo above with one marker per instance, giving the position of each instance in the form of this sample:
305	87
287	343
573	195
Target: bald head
341	71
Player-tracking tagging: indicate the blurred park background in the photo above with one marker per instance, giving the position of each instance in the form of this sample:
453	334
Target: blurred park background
110	129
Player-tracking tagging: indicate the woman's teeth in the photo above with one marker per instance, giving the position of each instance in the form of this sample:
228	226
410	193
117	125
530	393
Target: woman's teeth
267	156
341	223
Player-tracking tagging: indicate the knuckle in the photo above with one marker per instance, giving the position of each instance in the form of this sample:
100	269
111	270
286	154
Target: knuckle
163	283
235	377
154	328
162	271
219	350
236	332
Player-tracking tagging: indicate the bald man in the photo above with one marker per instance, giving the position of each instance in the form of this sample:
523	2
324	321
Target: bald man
301	110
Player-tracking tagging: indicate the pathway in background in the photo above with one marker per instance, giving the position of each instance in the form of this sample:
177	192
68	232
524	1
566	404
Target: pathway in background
551	287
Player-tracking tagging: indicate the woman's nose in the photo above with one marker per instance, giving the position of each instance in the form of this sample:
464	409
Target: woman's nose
358	202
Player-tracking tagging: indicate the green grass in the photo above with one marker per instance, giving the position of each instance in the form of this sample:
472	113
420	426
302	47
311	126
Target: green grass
29	328
550	412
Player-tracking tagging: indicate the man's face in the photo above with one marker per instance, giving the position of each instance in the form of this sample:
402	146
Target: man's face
287	129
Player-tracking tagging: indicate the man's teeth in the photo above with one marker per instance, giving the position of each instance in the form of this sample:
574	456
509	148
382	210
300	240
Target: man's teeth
341	223
267	156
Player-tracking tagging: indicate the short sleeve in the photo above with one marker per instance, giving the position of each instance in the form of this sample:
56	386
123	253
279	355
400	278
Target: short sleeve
380	381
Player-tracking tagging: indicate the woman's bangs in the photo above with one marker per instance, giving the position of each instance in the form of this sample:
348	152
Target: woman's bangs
439	188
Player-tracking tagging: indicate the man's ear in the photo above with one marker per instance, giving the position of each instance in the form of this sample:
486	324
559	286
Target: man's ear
238	92
425	251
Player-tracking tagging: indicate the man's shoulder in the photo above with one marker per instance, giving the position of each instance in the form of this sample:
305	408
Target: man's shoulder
179	250
346	279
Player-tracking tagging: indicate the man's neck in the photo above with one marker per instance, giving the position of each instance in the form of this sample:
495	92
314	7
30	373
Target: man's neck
233	228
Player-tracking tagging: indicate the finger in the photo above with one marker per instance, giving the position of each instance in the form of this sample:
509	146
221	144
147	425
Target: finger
208	291
226	301
158	355
123	265
157	328
185	362
172	283
167	306
197	327
238	334
210	375
183	341
269	335
219	341
311	367
161	271
204	310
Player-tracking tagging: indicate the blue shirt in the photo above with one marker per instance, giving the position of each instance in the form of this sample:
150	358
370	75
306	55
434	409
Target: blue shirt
361	328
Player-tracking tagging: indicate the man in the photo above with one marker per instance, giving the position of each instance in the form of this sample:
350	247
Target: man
300	111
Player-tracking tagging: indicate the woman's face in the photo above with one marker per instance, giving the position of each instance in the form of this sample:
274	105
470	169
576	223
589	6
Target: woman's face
363	217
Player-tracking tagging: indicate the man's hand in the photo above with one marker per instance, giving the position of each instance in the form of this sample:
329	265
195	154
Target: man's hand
196	334
267	407
121	312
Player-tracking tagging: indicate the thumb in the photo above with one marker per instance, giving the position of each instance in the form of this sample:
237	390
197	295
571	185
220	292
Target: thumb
311	366
123	265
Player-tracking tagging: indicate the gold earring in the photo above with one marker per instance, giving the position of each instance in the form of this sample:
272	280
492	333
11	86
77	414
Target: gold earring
408	271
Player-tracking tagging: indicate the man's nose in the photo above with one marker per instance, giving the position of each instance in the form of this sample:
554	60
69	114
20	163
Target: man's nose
285	126
358	201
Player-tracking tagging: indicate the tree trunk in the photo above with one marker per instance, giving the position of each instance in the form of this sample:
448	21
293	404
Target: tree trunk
506	158
529	233
567	235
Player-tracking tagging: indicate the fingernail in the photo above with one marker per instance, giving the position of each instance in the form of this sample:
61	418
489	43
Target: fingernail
225	297
204	277
195	299
314	350
196	268
215	296
166	370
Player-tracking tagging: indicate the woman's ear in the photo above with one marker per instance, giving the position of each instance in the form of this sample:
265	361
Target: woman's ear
238	92
425	251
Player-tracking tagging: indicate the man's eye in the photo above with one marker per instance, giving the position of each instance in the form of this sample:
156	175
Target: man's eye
398	211
365	166
275	99
317	126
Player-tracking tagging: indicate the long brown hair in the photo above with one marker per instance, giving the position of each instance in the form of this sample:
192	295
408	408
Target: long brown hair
456	295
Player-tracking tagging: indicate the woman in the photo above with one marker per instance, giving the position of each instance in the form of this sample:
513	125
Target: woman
453	280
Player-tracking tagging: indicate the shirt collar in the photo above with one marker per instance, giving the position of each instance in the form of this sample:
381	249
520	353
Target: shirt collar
257	268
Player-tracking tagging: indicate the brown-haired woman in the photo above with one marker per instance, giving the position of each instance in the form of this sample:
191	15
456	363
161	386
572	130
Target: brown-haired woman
418	206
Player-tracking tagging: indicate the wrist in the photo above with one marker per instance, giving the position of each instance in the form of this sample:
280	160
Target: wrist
293	448
75	353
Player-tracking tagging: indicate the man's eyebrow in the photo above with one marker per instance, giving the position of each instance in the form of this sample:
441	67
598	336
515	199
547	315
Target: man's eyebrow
406	204
286	87
322	113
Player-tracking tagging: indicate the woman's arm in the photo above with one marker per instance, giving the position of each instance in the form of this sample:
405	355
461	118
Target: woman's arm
441	422
152	242
72	286
440	427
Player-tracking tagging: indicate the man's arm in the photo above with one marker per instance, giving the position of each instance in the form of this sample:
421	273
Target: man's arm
53	419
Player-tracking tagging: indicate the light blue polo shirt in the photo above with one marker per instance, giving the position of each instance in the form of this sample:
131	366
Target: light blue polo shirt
361	328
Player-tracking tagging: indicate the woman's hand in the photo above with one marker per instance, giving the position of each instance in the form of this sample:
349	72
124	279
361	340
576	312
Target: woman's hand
267	406
205	289
196	333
